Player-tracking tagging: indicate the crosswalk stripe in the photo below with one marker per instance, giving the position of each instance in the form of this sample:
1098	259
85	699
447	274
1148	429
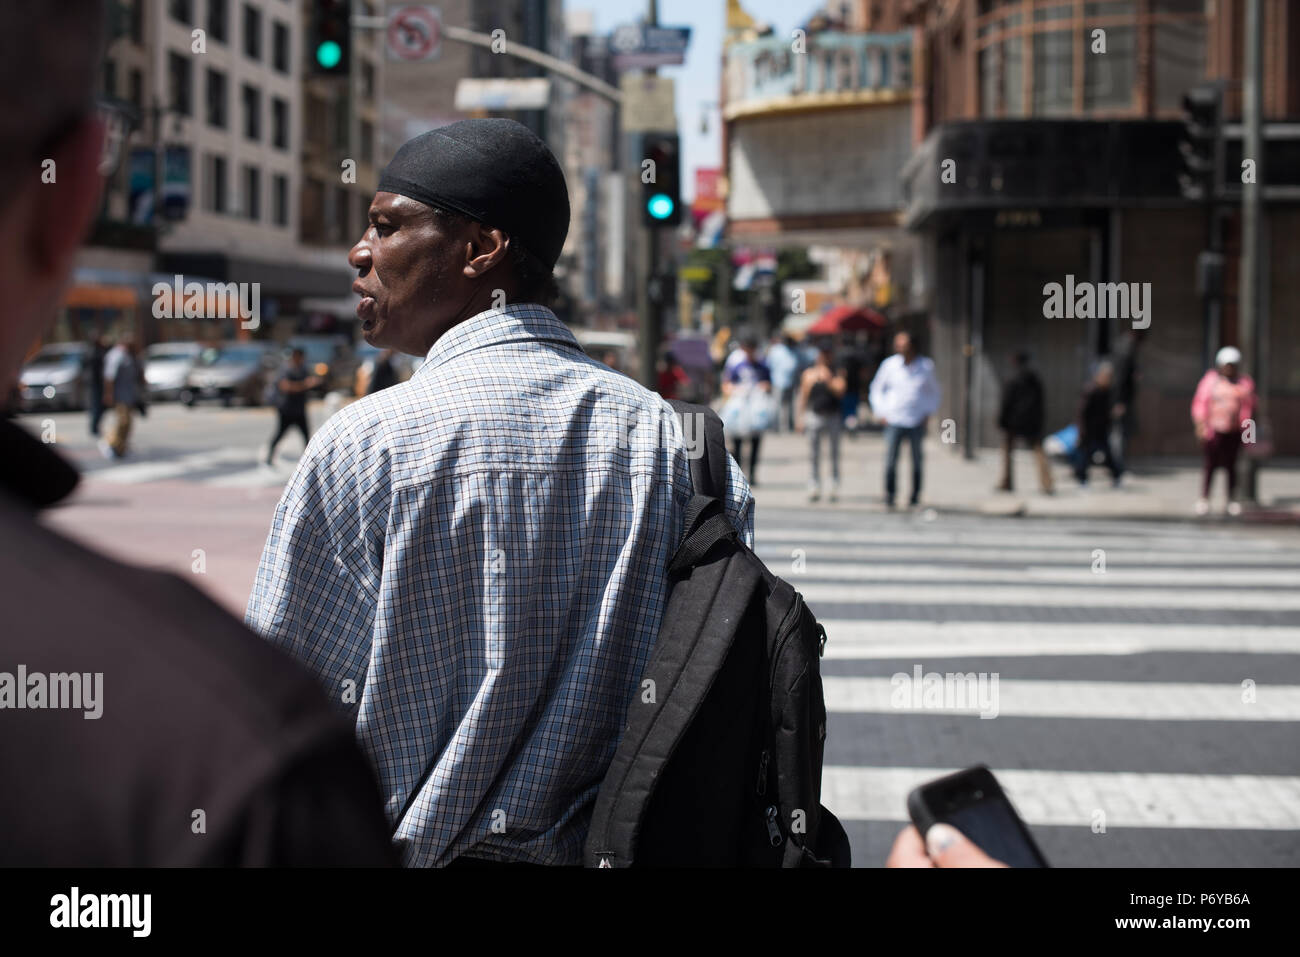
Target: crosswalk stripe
824	570
909	692
137	472
858	639
937	593
1074	798
781	556
1043	537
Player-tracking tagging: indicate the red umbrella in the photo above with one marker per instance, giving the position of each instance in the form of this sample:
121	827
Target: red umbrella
839	319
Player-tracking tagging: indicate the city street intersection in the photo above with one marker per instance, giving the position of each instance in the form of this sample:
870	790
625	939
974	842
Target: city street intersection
1147	668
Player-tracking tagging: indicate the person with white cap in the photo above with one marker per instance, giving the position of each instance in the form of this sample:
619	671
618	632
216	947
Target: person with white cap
1224	402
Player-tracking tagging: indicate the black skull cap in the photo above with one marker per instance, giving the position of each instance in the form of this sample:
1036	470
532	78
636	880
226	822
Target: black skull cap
494	170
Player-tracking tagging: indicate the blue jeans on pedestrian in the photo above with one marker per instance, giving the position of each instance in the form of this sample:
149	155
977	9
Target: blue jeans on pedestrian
894	435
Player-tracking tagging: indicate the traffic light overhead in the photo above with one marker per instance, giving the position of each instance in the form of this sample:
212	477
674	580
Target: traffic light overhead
331	37
1201	143
661	192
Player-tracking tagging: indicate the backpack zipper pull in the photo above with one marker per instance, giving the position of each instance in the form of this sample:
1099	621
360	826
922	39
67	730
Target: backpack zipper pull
762	773
773	831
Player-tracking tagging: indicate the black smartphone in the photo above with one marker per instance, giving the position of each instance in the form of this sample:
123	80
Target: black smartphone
973	802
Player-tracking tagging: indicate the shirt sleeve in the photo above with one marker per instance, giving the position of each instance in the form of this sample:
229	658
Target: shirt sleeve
876	393
310	598
933	391
740	502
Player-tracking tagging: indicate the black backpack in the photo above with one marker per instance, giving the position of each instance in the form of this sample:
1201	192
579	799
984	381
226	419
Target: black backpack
720	762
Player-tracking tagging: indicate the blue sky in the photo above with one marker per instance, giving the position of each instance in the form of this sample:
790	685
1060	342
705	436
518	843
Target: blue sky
697	80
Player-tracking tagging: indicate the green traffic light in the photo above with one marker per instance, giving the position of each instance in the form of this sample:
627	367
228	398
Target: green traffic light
328	54
660	206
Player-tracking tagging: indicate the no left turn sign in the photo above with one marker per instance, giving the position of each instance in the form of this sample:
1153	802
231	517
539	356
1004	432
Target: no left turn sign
414	33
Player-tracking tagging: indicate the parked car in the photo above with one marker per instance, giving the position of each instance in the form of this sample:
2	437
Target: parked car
166	367
403	365
57	377
231	371
330	357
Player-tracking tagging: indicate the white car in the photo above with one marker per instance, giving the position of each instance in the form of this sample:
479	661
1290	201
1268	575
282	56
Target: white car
166	366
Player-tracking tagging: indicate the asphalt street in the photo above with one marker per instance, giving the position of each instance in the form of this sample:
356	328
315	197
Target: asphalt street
1147	705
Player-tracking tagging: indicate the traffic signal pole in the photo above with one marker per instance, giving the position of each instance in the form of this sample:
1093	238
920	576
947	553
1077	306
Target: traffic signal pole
1249	275
649	308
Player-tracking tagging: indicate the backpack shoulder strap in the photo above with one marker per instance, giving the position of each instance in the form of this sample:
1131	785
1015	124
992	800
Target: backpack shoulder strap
706	447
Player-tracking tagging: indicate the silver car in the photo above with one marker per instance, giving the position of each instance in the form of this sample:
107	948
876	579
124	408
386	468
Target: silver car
166	367
231	371
57	377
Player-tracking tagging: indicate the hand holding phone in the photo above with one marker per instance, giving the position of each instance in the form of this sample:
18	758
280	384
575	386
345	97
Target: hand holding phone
973	802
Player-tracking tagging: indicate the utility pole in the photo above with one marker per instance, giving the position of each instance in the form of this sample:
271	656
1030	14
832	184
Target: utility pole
1249	280
649	307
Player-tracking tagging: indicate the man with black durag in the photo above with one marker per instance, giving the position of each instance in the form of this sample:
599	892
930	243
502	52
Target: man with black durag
1021	417
480	554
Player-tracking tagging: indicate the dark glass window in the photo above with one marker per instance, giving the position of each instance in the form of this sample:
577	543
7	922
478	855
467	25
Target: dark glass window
279	123
252	193
252	112
219	20
280	46
217	99
178	71
252	32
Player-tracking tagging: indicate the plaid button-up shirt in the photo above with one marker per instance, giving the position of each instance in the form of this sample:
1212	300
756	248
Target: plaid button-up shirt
474	563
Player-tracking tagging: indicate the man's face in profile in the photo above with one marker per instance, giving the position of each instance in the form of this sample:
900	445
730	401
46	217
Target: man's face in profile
407	275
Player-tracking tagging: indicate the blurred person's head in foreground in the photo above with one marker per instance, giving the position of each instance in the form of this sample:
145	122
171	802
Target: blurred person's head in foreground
296	357
903	345
50	142
468	217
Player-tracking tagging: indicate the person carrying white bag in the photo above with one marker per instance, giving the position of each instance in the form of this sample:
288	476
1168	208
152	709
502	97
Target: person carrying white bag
749	409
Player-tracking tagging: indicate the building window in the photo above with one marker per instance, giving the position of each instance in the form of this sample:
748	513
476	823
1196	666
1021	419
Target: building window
312	210
137	22
178	69
217	101
252	112
110	78
367	142
280	199
280	46
340	229
1109	81
1054	73
136	95
1179	60
217	186
252	32
252	193
341	123
279	123
219	20
182	10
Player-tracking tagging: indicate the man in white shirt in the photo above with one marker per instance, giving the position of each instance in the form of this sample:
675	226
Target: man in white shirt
904	394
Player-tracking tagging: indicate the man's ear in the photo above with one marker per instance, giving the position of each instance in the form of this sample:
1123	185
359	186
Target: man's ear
64	208
486	248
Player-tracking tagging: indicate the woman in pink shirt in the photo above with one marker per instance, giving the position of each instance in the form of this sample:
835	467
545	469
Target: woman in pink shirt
1224	401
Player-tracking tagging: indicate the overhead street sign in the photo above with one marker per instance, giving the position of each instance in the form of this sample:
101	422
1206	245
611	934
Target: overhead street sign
648	103
638	46
414	33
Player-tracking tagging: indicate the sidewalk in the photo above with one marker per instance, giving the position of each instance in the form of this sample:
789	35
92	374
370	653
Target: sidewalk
1153	489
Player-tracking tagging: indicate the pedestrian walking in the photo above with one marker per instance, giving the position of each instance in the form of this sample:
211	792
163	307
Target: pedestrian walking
123	388
851	361
382	375
1224	402
783	364
748	410
1021	416
463	559
1124	421
670	377
903	395
821	389
98	353
292	384
1096	413
204	746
